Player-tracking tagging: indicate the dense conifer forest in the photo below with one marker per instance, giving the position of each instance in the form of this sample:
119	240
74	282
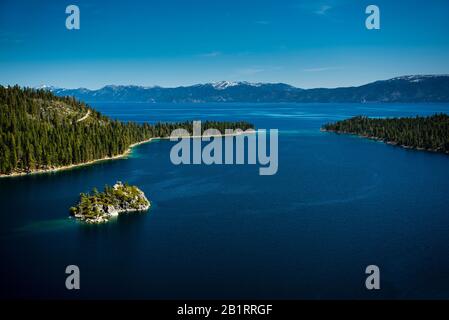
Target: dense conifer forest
428	133
40	131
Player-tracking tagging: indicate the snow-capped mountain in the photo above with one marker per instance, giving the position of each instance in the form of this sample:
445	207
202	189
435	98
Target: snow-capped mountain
412	88
46	87
221	85
417	78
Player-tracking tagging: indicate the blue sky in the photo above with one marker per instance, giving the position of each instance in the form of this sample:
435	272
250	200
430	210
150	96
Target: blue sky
310	43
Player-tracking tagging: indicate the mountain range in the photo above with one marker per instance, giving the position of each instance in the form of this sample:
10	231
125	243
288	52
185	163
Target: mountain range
413	88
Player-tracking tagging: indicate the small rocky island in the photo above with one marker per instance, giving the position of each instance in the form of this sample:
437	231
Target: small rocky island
99	207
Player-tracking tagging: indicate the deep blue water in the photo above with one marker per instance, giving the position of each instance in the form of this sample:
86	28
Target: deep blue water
337	204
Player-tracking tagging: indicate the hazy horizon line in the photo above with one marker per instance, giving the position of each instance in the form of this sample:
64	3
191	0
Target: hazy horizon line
43	86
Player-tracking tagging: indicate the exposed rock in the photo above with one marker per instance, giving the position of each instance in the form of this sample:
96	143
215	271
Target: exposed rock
100	207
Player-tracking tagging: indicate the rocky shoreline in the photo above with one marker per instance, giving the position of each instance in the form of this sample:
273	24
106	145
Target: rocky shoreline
393	143
120	156
98	207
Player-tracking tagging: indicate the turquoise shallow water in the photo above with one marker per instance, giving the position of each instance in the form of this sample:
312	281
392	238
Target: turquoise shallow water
337	204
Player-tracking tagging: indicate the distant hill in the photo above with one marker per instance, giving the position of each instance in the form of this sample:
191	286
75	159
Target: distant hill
416	88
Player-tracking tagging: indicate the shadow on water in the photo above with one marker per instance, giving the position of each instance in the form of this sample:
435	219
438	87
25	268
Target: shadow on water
336	204
46	226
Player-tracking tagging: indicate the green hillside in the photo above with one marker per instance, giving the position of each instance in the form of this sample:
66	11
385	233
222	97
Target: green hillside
428	133
39	130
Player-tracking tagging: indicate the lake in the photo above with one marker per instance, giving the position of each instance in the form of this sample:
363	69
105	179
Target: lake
337	204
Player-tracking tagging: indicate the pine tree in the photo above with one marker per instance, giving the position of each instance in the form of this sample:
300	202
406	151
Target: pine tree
40	130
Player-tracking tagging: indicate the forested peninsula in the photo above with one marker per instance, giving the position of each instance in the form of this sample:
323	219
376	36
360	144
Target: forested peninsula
41	132
422	133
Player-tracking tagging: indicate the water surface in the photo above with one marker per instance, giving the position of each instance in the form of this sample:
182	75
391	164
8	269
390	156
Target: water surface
337	204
